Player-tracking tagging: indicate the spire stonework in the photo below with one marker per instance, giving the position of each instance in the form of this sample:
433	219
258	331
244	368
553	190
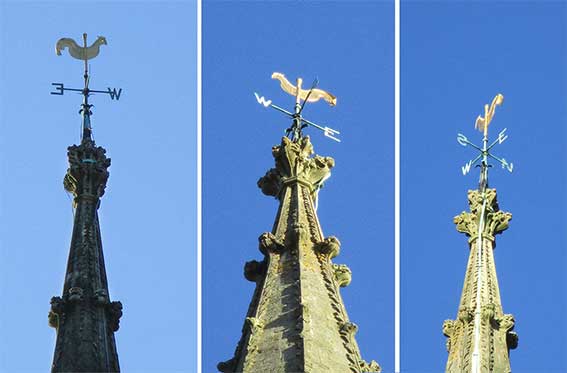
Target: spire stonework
296	321
84	316
480	338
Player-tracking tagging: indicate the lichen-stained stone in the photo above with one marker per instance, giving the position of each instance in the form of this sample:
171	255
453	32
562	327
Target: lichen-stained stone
480	338
84	316
296	321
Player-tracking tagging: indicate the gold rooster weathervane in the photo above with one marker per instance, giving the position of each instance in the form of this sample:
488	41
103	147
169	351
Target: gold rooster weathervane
482	124
83	53
309	95
306	95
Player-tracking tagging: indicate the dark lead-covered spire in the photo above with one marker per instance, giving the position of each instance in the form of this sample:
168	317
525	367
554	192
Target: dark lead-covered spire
84	316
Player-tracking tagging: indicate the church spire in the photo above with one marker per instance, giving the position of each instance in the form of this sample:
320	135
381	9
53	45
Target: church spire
480	338
84	316
297	321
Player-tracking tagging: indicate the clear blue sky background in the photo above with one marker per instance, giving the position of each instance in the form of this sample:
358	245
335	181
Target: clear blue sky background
147	215
456	56
349	46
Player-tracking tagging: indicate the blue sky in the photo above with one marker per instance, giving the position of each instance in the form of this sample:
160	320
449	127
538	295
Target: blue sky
148	214
455	58
350	48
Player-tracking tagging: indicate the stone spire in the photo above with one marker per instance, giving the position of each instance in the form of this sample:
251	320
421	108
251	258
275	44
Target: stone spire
84	316
296	321
480	339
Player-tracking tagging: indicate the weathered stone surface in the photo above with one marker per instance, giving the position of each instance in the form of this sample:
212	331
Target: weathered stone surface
295	164
330	246
369	367
496	221
254	270
296	321
343	274
481	335
88	170
84	316
268	243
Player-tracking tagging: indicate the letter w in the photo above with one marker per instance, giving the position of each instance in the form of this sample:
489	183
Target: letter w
114	94
466	168
262	100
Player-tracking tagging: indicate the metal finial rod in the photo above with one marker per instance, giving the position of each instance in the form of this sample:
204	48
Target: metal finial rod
86	75
86	114
295	129
85	107
483	182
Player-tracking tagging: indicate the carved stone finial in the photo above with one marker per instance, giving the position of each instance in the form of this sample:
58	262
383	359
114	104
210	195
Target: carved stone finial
466	223
512	340
268	243
270	183
343	274
294	163
448	328
371	367
101	297
227	366
254	270
506	323
114	310
75	294
56	311
448	331
349	328
330	246
465	315
88	170
496	221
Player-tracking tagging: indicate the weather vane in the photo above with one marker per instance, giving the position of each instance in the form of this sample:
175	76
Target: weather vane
482	124
305	95
83	53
